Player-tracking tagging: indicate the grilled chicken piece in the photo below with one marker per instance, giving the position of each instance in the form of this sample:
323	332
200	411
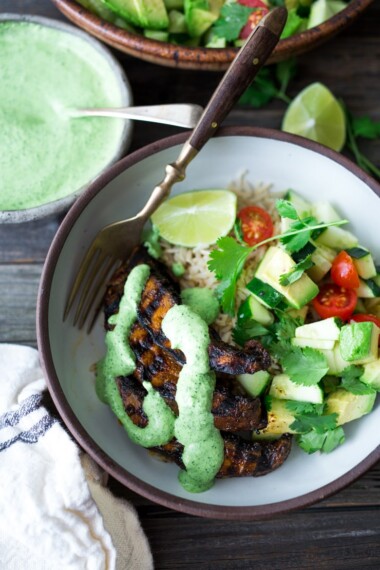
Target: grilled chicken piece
231	412
241	458
159	295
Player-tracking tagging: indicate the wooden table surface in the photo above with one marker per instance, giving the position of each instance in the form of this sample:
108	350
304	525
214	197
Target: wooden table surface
342	531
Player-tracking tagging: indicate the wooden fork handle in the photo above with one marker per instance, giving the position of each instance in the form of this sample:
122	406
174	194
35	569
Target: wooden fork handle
246	65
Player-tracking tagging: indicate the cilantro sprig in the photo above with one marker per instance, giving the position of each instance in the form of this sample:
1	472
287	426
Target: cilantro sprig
305	366
361	127
316	431
233	17
228	258
271	82
351	380
296	272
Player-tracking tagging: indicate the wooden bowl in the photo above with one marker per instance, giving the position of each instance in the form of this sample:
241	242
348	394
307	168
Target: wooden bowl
209	59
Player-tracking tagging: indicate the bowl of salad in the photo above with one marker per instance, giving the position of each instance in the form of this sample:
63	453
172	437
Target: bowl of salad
206	34
235	369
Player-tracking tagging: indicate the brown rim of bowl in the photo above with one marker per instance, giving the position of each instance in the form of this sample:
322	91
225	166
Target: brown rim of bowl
201	58
62	204
72	422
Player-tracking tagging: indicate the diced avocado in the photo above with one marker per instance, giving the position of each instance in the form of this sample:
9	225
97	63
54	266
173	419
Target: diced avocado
158	35
313	343
177	22
320	268
337	238
302	206
251	308
149	14
298	313
284	388
275	263
349	406
363	262
324	212
368	289
198	17
371	374
254	384
279	419
358	342
266	295
327	329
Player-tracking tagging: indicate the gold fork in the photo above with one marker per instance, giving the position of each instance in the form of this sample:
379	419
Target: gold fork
115	241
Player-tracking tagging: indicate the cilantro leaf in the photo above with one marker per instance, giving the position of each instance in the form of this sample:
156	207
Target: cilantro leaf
305	366
285	328
365	127
227	261
295	242
313	441
286	209
320	424
233	18
351	382
247	330
301	408
296	273
262	90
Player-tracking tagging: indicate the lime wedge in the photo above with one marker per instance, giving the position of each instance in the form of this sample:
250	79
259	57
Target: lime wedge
322	10
316	115
196	218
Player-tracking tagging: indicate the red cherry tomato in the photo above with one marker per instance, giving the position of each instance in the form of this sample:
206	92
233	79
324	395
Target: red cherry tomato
343	271
335	301
253	19
253	3
365	318
256	224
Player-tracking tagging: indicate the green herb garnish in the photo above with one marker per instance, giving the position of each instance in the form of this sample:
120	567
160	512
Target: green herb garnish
305	366
296	273
351	381
271	83
233	17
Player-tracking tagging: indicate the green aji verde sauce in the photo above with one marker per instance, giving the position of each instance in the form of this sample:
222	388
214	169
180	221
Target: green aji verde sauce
194	427
202	301
120	361
45	154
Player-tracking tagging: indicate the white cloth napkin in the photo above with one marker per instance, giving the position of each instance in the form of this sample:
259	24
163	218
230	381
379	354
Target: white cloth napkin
55	514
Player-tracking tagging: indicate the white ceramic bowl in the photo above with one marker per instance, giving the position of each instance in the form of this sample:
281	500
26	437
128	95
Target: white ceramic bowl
283	160
123	95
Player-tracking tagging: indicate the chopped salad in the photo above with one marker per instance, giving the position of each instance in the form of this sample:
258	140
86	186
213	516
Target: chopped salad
209	23
314	302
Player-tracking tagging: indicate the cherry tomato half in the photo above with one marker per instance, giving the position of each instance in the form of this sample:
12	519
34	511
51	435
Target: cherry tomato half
256	224
343	271
365	318
253	3
253	19
335	301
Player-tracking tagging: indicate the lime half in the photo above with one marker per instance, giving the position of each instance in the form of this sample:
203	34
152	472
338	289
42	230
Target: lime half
196	218
317	115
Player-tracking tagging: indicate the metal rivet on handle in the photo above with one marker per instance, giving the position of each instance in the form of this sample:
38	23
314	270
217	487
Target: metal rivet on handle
214	125
256	61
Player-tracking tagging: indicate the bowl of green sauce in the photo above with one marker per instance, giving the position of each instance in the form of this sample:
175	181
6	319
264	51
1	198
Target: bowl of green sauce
47	156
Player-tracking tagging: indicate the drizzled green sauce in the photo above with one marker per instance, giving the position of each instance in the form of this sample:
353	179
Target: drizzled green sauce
120	361
194	427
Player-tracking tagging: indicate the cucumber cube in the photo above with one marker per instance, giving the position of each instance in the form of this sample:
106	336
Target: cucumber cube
337	238
316	343
284	388
359	342
327	329
363	262
254	384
